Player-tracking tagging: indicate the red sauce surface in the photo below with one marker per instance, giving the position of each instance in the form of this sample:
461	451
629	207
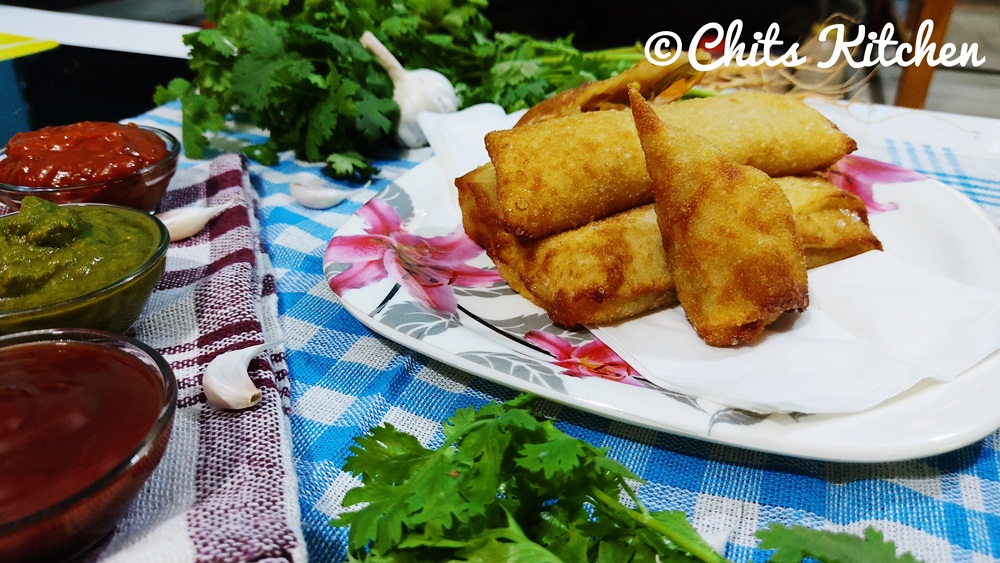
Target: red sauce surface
69	412
81	153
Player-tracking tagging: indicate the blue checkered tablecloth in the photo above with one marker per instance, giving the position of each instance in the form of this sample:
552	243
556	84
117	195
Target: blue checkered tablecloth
345	380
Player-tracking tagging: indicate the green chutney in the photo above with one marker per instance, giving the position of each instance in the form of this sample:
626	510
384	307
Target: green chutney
51	253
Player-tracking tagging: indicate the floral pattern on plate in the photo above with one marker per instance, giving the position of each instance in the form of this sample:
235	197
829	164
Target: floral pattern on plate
430	277
857	174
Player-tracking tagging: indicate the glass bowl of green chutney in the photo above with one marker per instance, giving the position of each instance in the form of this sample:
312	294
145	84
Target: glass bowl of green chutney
78	265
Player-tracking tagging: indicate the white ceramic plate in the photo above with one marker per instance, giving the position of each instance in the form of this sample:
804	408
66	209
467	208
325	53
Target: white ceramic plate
935	227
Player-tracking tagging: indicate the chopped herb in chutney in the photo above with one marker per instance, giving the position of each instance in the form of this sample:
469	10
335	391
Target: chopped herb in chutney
50	253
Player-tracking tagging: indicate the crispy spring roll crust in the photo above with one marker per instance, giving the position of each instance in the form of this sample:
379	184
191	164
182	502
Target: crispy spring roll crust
728	231
562	173
664	83
596	285
833	225
477	194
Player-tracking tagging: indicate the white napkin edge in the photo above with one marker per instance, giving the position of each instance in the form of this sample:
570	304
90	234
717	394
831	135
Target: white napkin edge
458	138
855	363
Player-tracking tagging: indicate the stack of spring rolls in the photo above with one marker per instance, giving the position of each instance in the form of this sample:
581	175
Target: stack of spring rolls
565	207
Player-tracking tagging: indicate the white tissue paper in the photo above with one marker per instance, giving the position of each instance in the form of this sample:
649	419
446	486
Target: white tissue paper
877	324
874	328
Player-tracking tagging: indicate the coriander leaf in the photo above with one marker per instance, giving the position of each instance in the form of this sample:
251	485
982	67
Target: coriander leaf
506	544
389	455
350	164
174	90
794	543
264	153
265	38
399	25
376	117
200	116
214	40
256	80
559	455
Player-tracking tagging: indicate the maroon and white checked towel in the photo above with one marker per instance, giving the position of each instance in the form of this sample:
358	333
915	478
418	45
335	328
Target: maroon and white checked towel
225	490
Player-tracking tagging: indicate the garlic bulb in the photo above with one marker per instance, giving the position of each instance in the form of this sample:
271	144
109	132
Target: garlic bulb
226	381
414	91
185	222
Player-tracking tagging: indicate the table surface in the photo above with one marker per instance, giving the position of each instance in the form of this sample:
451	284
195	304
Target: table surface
344	380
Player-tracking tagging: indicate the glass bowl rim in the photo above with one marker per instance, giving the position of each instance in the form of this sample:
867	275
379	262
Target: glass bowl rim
167	383
168	160
158	254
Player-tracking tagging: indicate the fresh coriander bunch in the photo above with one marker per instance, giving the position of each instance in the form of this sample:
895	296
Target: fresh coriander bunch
298	70
507	485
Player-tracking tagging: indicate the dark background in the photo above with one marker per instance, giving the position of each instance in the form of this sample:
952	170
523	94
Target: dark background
613	24
69	84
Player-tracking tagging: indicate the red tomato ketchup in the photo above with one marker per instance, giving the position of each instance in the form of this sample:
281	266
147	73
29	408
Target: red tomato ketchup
80	153
69	413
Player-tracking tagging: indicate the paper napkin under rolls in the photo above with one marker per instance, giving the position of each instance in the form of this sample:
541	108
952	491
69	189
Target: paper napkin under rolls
875	327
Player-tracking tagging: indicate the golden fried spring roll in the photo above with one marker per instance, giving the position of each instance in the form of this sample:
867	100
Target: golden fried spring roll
564	273
728	232
477	194
562	173
832	223
664	83
604	271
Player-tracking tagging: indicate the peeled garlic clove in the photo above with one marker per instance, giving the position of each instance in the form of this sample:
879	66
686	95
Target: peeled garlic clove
227	382
185	222
317	197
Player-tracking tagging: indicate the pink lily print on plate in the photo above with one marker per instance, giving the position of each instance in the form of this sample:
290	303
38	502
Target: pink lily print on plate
857	174
427	267
592	359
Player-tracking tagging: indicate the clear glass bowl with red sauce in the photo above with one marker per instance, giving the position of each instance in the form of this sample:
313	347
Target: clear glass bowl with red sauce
90	162
85	417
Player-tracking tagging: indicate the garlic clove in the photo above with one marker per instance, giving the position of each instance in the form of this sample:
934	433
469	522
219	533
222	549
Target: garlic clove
317	197
185	222
227	382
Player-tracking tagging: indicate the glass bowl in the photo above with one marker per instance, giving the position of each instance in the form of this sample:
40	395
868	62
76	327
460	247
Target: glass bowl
113	307
87	417
142	190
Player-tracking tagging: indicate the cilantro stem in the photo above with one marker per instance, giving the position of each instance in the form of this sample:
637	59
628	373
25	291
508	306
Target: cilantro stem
702	552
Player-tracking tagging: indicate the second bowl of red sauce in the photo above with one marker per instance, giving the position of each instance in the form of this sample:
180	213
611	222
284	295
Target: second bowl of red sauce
89	162
85	417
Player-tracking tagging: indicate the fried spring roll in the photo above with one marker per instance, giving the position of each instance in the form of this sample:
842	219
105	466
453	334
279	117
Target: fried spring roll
728	231
562	173
662	83
832	223
616	267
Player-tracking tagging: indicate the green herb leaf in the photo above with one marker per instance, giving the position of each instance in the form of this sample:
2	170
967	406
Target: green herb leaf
794	543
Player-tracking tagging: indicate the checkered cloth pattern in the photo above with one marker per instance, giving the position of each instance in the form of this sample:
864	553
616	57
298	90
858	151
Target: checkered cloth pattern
344	380
225	489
